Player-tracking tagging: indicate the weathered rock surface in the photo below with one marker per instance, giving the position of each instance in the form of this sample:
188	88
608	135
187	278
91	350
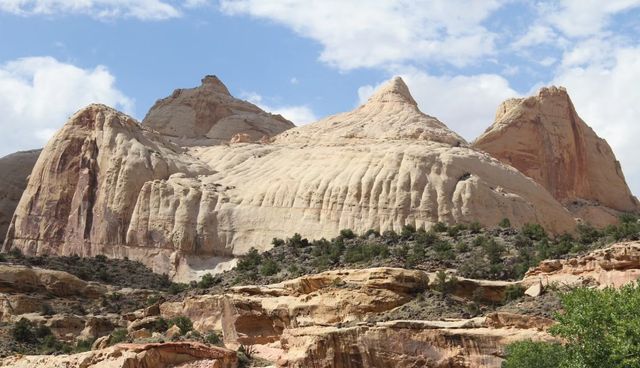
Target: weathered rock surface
208	115
15	169
544	138
402	344
86	184
107	185
613	266
22	279
164	355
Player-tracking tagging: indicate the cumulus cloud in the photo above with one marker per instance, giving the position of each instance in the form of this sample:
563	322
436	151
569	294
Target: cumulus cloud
580	18
38	94
101	9
380	32
299	115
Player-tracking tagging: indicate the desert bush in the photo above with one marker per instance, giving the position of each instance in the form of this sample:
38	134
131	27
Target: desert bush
118	335
269	267
207	281
533	231
439	227
513	292
505	223
184	323
530	354
213	338
347	234
444	283
22	331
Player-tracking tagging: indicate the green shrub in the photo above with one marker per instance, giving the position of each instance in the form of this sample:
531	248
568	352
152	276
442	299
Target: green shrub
444	283
588	234
426	238
513	292
533	231
505	223
462	247
297	241
42	331
347	234
213	338
390	236
160	325
22	331
250	261
207	281
177	288
184	323
443	250
475	227
529	354
269	267
16	253
117	336
439	227
494	251
408	231
83	345
276	242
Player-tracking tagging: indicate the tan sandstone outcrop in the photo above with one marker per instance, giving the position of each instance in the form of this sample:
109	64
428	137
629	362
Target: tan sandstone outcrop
614	266
544	138
23	279
14	172
107	185
208	115
164	355
400	344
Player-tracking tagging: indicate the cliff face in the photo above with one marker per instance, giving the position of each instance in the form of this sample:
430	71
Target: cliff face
544	138
15	169
208	115
107	185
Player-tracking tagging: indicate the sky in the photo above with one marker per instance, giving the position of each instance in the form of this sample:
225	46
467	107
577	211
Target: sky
307	59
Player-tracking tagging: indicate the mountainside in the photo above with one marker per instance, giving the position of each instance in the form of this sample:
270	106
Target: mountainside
208	115
107	185
15	169
544	138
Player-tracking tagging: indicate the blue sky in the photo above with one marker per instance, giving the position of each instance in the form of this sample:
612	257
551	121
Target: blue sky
309	58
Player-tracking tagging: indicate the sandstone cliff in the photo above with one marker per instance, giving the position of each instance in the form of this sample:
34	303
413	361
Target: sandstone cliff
15	169
209	115
544	138
107	185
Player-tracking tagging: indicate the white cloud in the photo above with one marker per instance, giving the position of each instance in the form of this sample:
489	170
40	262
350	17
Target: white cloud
580	18
379	32
299	115
38	94
606	96
536	35
466	104
101	9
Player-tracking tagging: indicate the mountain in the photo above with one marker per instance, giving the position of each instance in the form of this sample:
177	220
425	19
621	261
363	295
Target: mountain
107	185
544	138
208	114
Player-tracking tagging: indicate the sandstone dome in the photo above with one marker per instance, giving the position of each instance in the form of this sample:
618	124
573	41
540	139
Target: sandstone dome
107	185
209	114
544	138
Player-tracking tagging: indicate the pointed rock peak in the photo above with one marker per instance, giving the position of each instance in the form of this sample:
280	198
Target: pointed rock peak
214	83
394	91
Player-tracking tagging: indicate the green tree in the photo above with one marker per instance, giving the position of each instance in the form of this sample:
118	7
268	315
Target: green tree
529	354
